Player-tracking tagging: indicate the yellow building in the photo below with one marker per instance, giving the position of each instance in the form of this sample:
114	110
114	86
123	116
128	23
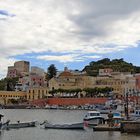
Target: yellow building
116	84
119	82
37	93
68	80
6	96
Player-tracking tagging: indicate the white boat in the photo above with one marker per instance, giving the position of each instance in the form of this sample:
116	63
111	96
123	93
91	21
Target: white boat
91	115
93	118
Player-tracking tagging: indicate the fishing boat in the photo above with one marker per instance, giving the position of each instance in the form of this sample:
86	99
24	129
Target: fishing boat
73	126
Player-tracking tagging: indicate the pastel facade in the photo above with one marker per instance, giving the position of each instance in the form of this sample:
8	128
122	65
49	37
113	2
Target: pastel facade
6	96
120	83
67	80
37	93
12	72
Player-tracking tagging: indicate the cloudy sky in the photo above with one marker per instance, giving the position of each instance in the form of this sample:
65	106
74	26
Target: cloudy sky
68	32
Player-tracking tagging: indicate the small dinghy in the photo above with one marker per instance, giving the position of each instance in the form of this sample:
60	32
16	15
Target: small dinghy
64	126
19	124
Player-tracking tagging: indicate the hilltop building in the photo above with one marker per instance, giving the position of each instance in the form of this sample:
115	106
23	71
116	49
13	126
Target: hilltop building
105	72
20	68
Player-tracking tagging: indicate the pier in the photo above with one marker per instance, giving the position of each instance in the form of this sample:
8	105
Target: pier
105	128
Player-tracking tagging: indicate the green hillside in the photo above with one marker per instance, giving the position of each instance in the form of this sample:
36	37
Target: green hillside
116	64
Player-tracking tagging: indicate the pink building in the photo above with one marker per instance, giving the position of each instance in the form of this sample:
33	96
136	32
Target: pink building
36	81
12	72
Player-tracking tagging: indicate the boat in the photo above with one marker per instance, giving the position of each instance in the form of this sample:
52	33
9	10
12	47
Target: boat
73	126
117	119
19	124
2	125
93	118
93	115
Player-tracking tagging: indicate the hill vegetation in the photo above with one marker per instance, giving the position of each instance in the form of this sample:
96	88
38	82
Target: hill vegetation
116	64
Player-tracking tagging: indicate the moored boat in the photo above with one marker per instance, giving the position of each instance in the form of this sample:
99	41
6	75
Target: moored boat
19	124
93	118
73	126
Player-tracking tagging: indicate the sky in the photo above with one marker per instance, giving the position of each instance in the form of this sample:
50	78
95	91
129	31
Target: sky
68	33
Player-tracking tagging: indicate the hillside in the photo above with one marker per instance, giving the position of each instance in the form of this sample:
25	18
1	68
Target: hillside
116	64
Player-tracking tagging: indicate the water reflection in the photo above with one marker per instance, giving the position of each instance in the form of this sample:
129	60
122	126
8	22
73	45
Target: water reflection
1	134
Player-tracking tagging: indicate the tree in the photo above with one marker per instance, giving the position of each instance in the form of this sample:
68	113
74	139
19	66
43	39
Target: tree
8	83
116	65
2	84
51	72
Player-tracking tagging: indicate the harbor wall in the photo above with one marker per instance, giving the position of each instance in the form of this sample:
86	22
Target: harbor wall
69	101
130	126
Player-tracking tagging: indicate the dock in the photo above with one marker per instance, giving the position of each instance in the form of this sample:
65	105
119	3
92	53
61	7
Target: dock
105	128
130	126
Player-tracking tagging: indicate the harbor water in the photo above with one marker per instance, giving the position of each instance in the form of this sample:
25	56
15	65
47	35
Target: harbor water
54	116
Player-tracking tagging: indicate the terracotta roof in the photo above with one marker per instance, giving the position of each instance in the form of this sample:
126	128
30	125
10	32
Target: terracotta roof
66	73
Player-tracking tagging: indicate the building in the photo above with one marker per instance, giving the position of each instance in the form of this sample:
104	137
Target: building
36	80
12	72
31	81
137	76
69	80
105	72
37	93
20	68
118	82
6	96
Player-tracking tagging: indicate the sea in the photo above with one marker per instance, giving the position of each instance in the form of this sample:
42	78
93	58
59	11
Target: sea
55	117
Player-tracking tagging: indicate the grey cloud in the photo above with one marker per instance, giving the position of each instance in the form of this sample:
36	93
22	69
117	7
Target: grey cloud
96	16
